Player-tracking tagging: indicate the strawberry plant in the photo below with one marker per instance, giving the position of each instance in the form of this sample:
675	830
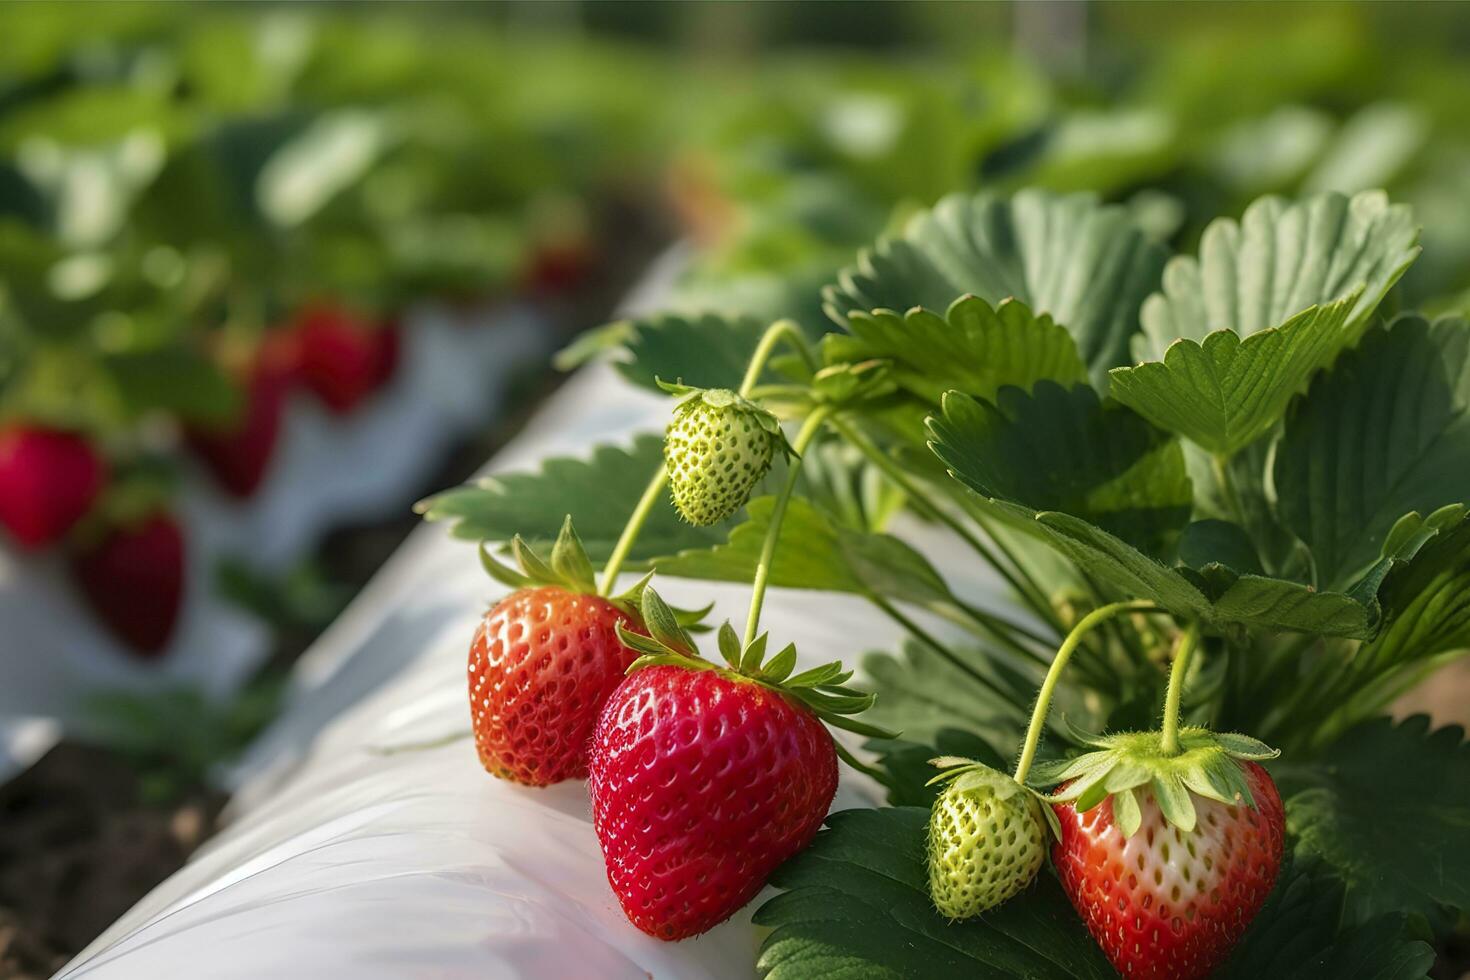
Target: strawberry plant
1226	494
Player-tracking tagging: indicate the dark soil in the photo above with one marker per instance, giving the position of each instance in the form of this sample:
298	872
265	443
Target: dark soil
79	849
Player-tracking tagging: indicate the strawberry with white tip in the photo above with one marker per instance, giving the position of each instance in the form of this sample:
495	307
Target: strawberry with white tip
1167	852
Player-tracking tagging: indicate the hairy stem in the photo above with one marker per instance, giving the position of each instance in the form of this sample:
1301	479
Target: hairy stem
1054	675
809	430
1187	643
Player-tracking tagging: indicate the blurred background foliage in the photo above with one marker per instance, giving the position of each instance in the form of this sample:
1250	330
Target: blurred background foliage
166	170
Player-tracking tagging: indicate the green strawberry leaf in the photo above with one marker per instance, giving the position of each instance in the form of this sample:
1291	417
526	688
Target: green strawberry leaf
1387	807
1273	603
1246	600
1385	432
1426	599
856	904
708	350
1212	542
599	492
1423	589
1280	259
814	553
1058	464
970	348
1300	933
1225	393
1105	558
1061	449
1085	264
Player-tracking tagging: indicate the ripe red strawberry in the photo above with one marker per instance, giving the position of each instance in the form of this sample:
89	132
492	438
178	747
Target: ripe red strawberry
239	452
341	358
134	580
704	780
543	662
702	785
1169	900
48	481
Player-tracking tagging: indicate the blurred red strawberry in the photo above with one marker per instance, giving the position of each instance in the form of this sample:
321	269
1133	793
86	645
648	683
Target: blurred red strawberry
48	481
239	452
342	358
134	580
557	267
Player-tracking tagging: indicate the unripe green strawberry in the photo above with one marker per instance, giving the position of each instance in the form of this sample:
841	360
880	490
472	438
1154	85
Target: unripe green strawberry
718	447
986	840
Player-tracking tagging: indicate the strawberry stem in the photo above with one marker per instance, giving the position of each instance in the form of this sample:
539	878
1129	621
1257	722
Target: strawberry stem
1169	743
786	330
1054	674
809	430
630	531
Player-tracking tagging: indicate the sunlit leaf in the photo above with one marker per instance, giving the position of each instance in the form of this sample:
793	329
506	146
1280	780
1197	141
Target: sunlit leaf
970	348
1085	264
1280	259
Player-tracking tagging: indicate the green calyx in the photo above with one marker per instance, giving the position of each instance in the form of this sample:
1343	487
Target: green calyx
571	569
987	838
718	446
1207	764
820	690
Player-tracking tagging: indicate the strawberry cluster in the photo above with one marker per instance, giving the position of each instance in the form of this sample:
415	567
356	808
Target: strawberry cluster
704	778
